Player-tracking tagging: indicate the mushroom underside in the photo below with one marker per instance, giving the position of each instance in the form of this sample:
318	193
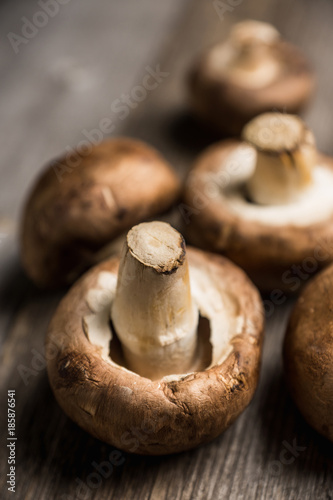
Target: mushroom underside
215	309
268	241
178	411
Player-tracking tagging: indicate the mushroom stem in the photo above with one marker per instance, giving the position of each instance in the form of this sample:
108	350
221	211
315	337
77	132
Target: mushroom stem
286	155
250	61
153	313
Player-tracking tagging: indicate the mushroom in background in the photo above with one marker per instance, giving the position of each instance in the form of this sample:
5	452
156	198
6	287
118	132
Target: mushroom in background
69	222
265	202
252	72
164	345
308	353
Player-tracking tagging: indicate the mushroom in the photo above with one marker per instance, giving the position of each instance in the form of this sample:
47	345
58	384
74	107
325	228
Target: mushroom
252	72
84	200
308	353
265	202
158	351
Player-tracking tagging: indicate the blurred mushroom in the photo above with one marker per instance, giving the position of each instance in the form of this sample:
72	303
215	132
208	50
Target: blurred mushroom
308	353
266	203
178	358
286	155
252	72
71	219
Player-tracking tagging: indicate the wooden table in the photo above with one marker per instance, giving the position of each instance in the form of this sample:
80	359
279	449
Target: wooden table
62	81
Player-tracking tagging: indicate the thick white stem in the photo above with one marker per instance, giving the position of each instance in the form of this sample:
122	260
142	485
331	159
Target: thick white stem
153	313
286	155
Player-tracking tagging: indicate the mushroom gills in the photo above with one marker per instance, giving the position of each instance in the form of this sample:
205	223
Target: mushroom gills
275	177
182	334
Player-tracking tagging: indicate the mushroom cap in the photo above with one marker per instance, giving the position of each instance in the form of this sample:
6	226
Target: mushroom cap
176	412
267	248
308	353
228	105
68	221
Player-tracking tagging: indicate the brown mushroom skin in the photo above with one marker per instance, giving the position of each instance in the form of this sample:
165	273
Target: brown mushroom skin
158	417
308	353
227	107
67	221
267	254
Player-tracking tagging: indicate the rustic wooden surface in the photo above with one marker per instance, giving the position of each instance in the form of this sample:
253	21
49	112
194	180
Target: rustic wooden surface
61	82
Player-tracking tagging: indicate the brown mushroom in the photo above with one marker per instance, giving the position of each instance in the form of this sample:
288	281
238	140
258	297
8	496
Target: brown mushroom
252	72
308	353
265	203
70	219
161	355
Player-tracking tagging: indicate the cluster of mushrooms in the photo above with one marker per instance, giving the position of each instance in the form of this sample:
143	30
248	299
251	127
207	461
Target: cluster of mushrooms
167	338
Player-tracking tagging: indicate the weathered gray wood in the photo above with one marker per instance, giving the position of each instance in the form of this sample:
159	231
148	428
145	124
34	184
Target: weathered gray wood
63	81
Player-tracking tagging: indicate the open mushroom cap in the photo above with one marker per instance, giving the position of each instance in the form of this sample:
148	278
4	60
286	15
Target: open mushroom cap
251	72
308	353
84	200
92	376
265	204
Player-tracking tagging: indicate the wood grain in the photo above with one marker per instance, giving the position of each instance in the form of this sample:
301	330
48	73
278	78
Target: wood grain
60	85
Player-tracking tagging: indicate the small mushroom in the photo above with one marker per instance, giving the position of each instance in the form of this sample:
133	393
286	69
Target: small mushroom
266	202
84	200
159	351
252	72
308	353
